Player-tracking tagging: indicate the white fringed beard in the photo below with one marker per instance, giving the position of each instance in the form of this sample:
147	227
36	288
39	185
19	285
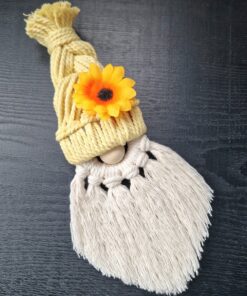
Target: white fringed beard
143	220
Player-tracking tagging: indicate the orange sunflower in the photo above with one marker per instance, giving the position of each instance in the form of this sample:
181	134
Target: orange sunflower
104	92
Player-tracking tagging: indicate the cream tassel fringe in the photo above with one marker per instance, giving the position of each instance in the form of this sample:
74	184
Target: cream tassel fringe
143	220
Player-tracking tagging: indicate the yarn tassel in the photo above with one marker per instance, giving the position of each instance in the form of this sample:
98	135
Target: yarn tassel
143	220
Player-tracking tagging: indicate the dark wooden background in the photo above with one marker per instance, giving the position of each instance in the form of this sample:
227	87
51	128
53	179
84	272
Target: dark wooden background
189	59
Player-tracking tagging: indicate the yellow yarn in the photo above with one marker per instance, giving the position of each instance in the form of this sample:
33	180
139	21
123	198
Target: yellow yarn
81	136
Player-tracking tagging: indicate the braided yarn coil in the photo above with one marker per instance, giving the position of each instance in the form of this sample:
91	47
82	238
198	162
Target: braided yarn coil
81	137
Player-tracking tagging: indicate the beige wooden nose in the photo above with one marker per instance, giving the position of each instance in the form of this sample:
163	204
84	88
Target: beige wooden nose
113	156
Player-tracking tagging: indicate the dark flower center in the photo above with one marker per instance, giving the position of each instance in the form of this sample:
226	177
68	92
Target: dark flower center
105	94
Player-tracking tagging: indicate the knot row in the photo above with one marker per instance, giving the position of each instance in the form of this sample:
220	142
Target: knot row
81	172
94	180
108	183
145	144
113	181
131	172
142	159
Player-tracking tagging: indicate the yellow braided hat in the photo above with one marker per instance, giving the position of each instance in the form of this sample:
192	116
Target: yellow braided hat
96	108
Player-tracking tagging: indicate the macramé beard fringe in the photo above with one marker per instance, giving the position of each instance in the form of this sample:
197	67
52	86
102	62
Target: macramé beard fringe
143	220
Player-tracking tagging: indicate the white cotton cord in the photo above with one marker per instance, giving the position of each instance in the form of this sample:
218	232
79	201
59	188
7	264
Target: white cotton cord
143	220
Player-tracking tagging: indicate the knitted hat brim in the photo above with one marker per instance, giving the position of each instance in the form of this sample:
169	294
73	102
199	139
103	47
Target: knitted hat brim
99	137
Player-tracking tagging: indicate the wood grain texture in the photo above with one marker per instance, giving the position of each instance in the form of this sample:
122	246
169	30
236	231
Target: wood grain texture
189	59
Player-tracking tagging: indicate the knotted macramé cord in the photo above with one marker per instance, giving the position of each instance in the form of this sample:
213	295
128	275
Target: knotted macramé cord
128	172
81	136
146	229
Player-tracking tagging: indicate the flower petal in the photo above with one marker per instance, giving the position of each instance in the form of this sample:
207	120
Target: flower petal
79	89
118	74
103	116
84	80
76	86
88	104
82	76
113	110
107	72
95	71
127	82
100	109
90	112
127	93
125	105
78	98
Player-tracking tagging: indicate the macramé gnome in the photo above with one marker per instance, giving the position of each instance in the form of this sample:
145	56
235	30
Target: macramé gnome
139	212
